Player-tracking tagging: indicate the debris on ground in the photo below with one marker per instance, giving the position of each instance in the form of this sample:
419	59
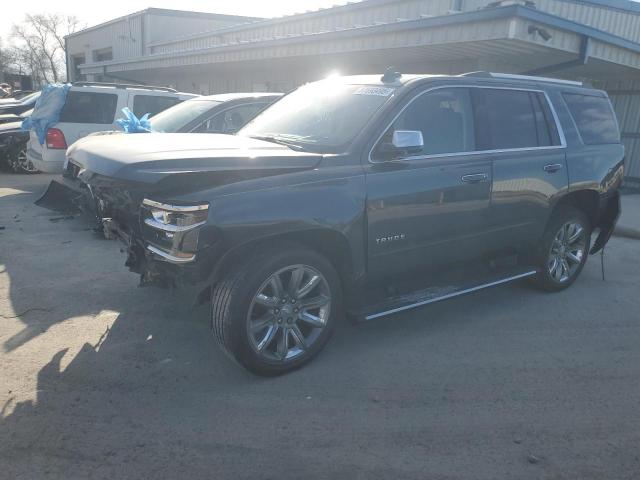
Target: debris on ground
533	459
57	219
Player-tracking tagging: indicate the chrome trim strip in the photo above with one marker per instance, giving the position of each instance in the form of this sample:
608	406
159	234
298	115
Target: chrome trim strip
563	140
174	208
533	78
153	223
168	257
449	295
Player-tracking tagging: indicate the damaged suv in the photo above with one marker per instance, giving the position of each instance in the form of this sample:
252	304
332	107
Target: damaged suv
364	195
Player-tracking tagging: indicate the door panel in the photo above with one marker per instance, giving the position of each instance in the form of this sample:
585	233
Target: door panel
429	207
421	213
523	192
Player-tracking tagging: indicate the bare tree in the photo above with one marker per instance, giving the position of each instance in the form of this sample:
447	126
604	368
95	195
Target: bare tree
40	41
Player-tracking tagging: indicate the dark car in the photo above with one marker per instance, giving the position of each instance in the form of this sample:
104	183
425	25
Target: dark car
12	117
224	113
13	147
17	107
369	195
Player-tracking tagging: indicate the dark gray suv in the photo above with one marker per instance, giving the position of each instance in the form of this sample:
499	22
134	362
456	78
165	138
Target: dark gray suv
368	195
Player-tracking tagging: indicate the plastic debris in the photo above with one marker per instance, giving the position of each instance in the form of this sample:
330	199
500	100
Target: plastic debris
47	110
133	124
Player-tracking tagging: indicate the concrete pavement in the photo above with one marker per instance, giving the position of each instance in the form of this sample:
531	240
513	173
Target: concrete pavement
100	379
629	223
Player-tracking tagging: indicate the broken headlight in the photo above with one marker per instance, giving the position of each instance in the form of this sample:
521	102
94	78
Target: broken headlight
172	230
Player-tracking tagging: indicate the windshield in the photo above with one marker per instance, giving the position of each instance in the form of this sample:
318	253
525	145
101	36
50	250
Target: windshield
322	116
173	119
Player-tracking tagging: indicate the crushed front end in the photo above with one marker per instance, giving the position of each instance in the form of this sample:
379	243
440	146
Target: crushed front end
164	241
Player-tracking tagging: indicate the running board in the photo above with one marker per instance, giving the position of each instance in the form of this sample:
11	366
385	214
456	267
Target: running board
429	295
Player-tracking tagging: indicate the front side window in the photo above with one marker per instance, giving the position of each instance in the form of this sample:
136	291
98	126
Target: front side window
594	118
231	120
174	119
445	119
89	107
509	119
322	116
152	104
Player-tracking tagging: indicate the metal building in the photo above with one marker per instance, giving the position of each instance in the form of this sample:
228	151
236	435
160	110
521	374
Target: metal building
593	40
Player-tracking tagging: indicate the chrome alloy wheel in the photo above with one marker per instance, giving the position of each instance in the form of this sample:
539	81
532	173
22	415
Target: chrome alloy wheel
288	313
567	251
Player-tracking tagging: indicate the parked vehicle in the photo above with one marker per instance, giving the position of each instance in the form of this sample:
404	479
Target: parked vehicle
17	107
12	117
224	113
93	107
13	148
18	94
368	195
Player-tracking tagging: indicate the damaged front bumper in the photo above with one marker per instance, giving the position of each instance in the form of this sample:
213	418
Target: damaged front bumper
167	245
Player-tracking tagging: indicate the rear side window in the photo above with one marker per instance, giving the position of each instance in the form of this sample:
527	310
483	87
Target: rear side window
152	104
508	119
594	118
89	107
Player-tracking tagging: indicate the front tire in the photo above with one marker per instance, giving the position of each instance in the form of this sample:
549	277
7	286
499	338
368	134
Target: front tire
277	310
564	249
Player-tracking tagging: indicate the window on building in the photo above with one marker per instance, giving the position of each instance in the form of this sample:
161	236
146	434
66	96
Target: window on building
445	119
152	104
76	61
231	120
89	107
103	55
512	119
594	118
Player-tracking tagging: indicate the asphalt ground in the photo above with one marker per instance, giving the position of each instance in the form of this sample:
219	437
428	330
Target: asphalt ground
102	379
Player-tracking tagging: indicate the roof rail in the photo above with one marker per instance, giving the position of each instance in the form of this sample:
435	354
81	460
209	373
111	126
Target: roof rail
511	76
122	85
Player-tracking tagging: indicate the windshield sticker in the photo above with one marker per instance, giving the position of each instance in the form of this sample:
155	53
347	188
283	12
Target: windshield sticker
378	91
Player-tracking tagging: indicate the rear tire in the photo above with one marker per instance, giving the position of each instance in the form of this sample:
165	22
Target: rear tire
277	310
563	250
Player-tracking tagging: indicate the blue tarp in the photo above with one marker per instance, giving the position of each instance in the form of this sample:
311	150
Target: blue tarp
47	110
133	124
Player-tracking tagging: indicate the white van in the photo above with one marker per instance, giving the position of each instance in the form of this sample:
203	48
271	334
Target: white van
94	107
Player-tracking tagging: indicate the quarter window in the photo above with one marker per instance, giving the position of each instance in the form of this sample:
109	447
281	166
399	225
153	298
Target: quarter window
89	107
594	118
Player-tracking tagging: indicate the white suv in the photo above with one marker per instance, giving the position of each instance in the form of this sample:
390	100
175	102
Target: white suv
94	107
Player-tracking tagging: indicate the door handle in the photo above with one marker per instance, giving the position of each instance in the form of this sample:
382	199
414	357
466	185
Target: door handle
474	177
552	167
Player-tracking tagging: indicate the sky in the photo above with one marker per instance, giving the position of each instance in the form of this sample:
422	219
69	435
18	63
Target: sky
92	12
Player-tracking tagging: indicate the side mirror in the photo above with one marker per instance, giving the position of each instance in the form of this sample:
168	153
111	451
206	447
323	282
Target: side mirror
409	141
403	143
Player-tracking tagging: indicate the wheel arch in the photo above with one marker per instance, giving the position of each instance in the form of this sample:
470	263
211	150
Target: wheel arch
586	200
331	244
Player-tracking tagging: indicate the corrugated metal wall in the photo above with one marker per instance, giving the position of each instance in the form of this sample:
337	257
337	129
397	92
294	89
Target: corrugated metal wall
328	20
619	22
625	96
124	37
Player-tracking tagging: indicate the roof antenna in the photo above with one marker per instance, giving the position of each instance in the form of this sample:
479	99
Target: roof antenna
390	75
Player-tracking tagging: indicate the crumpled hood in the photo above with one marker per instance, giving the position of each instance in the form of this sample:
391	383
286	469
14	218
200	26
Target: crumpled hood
152	157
